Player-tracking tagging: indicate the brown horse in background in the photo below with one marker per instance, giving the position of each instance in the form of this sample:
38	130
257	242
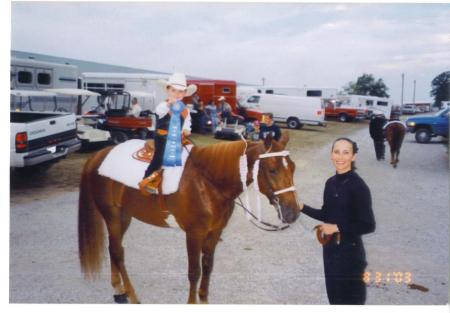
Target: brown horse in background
202	207
395	132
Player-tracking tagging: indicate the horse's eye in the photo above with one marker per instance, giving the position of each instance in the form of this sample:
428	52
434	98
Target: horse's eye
273	172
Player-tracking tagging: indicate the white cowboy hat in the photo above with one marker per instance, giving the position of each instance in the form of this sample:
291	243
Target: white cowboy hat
221	98
178	81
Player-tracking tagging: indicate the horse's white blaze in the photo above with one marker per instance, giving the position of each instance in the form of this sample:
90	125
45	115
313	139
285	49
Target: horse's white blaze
171	221
285	163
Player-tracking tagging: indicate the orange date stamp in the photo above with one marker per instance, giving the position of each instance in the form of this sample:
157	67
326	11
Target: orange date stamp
387	277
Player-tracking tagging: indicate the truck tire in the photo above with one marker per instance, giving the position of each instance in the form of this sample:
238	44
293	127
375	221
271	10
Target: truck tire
293	123
423	135
118	137
343	117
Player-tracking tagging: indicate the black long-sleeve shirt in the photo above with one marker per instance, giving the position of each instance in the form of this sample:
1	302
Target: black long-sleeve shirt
346	202
376	127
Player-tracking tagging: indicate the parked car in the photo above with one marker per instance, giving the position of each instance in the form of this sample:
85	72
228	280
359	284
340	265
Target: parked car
426	127
409	109
343	112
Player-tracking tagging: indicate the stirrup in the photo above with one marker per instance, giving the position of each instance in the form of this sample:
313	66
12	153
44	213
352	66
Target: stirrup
150	184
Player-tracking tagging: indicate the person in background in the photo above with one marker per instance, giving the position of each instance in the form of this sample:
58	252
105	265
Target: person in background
201	116
135	109
269	127
254	134
346	215
211	114
376	125
224	110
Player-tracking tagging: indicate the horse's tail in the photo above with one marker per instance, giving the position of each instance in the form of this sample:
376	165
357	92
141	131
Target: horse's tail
90	225
398	133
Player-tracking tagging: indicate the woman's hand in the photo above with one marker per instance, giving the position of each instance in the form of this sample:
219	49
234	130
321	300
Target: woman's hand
301	205
328	229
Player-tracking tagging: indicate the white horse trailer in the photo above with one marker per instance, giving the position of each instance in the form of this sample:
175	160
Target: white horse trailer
142	86
370	103
30	74
320	92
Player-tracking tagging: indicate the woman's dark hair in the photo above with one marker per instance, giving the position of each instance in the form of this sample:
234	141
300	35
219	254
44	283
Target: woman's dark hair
354	148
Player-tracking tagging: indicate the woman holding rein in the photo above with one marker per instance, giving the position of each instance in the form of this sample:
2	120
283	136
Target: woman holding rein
346	215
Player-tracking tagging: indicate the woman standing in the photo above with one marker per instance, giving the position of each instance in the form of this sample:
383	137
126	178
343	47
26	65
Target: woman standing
347	214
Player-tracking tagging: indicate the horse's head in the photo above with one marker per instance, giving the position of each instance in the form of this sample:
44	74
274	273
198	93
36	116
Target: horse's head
276	177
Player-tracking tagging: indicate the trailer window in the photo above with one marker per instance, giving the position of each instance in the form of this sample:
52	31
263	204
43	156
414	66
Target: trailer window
314	93
383	103
44	79
253	99
94	86
226	90
269	91
24	77
369	102
115	87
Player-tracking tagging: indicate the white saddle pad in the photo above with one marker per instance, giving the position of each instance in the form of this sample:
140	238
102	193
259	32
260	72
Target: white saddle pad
394	122
119	165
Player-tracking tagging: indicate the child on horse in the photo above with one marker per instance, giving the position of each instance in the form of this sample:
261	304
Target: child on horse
173	124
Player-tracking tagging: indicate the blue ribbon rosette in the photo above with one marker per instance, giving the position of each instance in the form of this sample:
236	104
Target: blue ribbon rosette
172	152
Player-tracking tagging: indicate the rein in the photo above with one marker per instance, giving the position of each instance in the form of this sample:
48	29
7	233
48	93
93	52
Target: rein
256	220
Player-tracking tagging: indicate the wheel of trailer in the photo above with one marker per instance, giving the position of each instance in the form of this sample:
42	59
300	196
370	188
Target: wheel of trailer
423	135
293	123
343	117
118	137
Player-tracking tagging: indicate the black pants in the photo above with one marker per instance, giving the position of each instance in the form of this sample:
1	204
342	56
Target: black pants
379	148
155	164
344	266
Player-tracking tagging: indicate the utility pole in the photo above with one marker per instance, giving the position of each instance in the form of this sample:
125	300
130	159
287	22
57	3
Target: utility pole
403	84
414	93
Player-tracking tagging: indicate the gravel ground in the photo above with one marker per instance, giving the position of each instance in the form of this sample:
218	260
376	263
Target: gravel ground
411	206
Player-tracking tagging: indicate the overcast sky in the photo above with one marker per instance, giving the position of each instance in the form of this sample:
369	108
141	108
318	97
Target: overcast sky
325	45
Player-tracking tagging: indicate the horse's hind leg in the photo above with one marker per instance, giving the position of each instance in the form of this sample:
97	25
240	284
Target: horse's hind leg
392	157
117	227
209	246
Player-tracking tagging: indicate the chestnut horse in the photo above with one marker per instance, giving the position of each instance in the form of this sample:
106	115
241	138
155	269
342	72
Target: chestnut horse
202	206
395	132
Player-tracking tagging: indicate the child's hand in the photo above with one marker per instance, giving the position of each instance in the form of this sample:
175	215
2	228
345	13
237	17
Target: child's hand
186	133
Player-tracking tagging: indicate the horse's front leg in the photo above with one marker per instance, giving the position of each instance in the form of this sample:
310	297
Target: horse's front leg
194	242
208	249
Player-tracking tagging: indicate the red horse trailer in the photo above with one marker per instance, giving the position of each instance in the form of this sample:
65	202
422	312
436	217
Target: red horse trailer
209	90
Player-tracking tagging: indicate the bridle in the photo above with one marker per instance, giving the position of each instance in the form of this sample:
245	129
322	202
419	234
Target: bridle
256	219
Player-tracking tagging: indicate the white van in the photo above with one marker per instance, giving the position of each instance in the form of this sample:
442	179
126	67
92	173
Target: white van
295	111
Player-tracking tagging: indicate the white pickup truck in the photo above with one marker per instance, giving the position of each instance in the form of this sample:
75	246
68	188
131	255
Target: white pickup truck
38	137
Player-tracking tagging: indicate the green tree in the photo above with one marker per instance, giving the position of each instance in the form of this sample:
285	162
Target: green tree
366	85
440	88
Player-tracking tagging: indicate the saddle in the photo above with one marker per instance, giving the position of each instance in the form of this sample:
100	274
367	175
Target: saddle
145	154
152	184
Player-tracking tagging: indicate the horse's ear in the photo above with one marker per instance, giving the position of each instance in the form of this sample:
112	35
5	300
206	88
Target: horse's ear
268	141
284	138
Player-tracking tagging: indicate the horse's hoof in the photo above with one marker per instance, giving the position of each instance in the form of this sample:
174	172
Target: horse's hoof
121	299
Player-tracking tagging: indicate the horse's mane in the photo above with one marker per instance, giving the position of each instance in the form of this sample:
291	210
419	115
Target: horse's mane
220	162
